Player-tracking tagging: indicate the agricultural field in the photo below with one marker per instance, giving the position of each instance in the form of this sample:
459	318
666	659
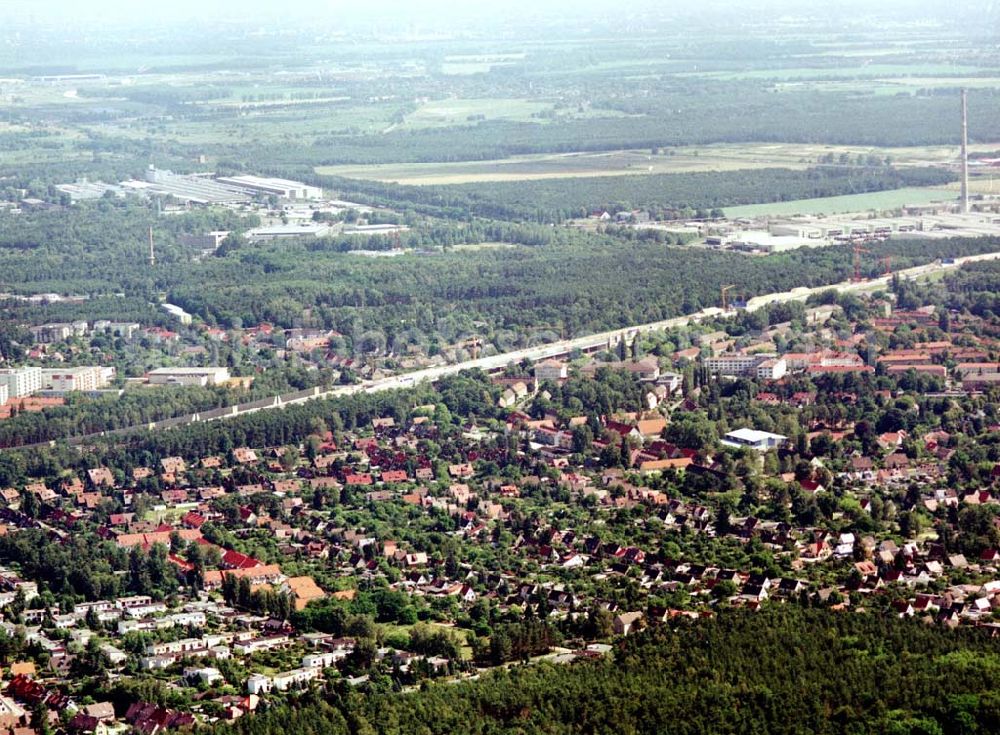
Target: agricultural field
878	200
684	159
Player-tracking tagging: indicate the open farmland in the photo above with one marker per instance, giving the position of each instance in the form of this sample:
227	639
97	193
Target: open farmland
879	200
686	159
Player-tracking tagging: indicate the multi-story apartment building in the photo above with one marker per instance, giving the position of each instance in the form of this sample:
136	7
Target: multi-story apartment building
21	381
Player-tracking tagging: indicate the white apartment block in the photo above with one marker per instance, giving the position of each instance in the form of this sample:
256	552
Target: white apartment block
138	612
256	645
773	368
735	365
131	625
88	378
288	679
21	381
259	684
126	330
188	645
196	619
324	660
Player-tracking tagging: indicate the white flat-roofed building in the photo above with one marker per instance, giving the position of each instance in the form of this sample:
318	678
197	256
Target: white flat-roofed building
115	655
187	645
324	660
277	232
82	190
131	625
207	674
58	331
89	378
256	645
21	381
773	368
190	188
671	381
759	440
207	241
125	330
283	188
189	376
259	684
144	611
196	619
4	394
735	365
288	679
177	312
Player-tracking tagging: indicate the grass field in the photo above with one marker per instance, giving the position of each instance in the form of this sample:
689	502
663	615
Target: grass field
465	650
557	166
721	157
879	200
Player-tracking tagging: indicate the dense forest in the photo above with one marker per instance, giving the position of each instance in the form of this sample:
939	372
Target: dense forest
511	288
665	196
712	113
976	289
546	278
781	670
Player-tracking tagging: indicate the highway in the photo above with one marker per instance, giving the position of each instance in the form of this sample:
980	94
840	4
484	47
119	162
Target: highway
613	337
562	348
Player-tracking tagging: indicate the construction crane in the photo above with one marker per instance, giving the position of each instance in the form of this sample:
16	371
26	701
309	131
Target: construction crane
858	249
725	291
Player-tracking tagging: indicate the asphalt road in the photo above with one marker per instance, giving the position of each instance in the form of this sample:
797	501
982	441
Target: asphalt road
532	354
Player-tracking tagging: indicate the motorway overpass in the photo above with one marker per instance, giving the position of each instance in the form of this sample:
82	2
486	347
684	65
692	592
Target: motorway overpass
562	348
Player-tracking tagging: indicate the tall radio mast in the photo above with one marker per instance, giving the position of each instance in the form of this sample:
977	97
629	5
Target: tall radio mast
963	203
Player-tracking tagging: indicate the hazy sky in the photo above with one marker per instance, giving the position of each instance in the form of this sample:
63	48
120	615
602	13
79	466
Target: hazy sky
428	15
325	10
431	10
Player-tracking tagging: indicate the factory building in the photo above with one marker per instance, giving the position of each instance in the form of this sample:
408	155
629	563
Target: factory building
210	241
265	186
189	188
279	232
